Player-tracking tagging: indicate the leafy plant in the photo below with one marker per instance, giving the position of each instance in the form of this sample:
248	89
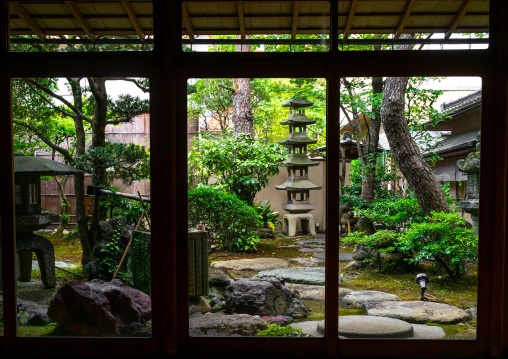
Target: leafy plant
140	263
109	259
118	206
230	222
276	330
268	217
444	238
239	164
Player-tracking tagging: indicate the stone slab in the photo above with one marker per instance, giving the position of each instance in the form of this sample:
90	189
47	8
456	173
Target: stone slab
217	324
358	299
361	326
305	242
311	250
342	256
418	312
315	292
315	276
308	328
255	264
307	262
35	265
422	331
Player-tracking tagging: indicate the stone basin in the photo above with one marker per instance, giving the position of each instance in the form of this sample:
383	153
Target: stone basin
34	222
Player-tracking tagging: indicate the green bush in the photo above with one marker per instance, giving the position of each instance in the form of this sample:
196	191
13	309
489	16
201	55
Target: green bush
268	217
230	222
276	330
444	238
139	262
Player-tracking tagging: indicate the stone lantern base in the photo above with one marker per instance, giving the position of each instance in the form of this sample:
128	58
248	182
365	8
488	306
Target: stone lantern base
306	220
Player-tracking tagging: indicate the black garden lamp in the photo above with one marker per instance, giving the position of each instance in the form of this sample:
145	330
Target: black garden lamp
422	279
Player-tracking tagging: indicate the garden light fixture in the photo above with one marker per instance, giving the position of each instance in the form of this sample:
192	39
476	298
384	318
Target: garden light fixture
422	279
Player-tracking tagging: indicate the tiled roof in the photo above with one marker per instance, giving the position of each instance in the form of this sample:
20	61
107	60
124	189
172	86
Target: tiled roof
456	142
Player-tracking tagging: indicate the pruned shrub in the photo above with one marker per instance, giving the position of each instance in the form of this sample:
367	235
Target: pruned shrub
229	221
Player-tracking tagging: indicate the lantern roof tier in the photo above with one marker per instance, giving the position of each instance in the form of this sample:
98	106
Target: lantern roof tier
299	161
299	185
297	138
298	119
297	103
30	165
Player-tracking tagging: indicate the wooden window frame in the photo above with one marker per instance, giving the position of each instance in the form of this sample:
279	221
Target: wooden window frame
168	69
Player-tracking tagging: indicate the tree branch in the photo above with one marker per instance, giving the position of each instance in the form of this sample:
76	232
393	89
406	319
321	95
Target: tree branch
63	112
52	94
228	88
138	84
65	153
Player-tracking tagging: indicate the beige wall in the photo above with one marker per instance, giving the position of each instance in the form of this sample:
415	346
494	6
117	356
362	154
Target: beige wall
317	175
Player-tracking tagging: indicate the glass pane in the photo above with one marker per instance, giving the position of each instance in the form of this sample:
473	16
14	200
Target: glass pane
413	25
410	207
67	26
255	26
256	206
82	230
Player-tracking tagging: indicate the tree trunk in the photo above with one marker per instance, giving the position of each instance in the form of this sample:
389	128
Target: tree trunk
405	151
370	158
79	180
65	206
242	107
98	86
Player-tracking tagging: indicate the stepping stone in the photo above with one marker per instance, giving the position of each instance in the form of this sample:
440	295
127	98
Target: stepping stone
222	325
358	299
342	256
361	326
421	331
256	264
35	265
315	292
308	328
315	276
306	242
311	250
418	312
307	262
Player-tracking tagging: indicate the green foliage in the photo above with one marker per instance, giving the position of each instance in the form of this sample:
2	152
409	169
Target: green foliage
118	206
108	261
140	263
128	162
276	330
393	213
268	217
230	222
62	276
240	164
444	238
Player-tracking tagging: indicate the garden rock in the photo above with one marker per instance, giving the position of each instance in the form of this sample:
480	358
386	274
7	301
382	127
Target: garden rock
199	304
418	312
255	264
222	325
37	315
343	256
265	233
472	312
263	297
105	233
357	299
98	308
314	276
280	320
361	326
421	331
307	262
314	292
309	328
137	330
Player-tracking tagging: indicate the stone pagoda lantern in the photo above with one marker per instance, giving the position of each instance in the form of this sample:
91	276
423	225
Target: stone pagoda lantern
29	217
297	184
471	166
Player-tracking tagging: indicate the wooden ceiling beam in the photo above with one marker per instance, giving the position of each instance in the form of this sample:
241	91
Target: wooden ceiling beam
405	16
82	21
460	14
28	20
296	8
241	20
134	20
187	21
350	19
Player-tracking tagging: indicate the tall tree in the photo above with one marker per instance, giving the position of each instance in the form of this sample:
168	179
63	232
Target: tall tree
242	107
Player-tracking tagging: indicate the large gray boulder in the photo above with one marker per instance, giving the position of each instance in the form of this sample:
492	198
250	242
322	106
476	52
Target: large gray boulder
418	312
99	308
264	297
222	325
357	299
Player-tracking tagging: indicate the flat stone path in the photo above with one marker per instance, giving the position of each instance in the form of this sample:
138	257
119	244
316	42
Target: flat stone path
305	242
361	326
64	265
254	264
315	292
358	299
342	256
315	276
307	262
418	312
311	250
